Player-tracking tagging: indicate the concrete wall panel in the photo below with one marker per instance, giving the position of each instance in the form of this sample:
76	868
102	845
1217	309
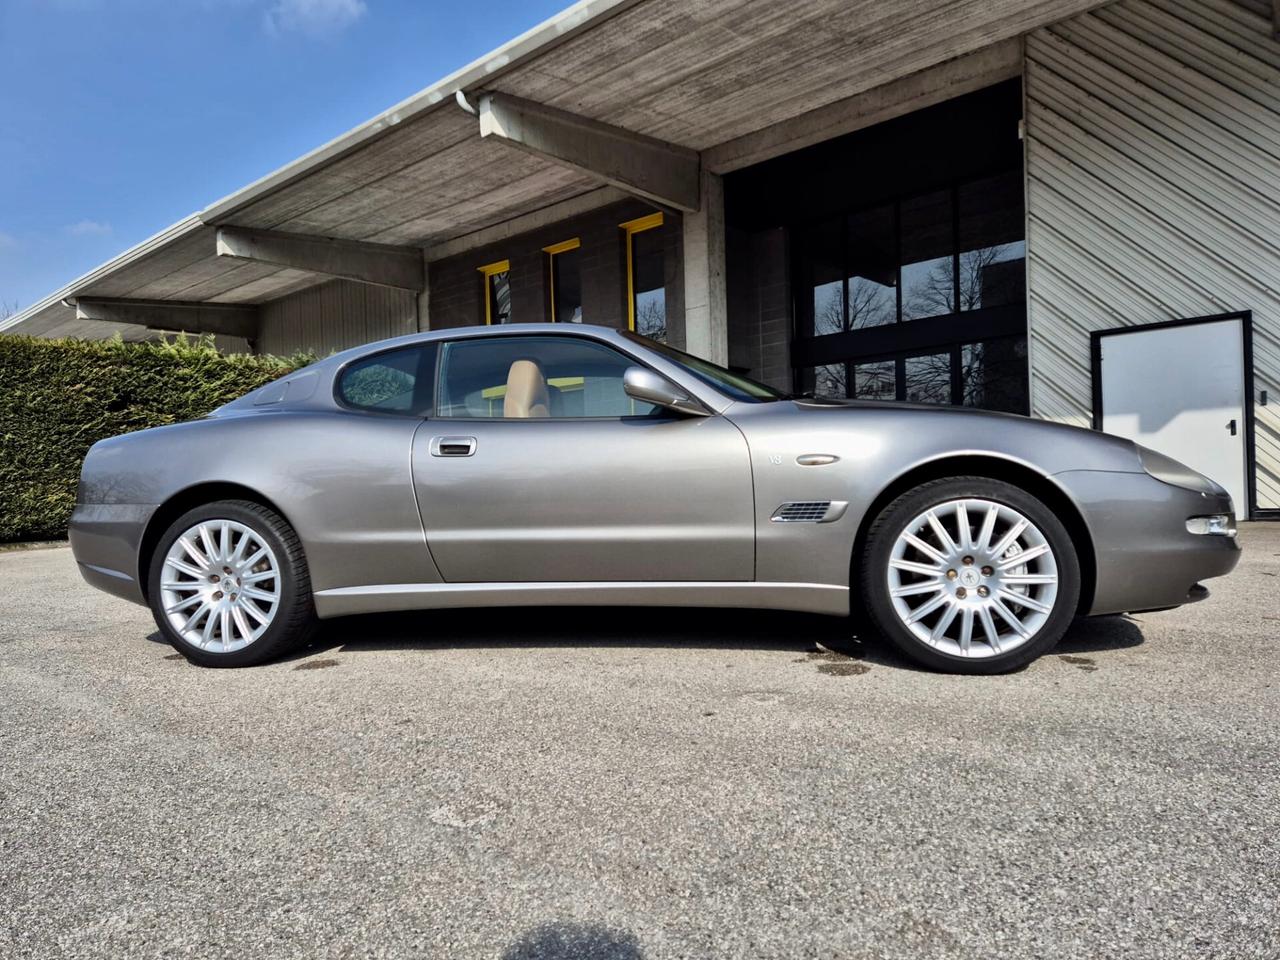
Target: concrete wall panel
334	316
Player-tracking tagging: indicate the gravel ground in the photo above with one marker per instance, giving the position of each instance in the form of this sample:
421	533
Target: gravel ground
619	785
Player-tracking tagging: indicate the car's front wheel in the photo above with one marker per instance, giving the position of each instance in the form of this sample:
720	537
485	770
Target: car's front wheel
229	586
970	575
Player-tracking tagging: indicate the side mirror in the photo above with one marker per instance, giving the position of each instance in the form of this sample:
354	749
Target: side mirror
642	384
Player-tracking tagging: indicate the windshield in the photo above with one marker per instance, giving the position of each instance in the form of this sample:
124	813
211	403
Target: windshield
726	381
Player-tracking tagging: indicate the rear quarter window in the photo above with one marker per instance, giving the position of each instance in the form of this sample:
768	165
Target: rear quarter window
393	382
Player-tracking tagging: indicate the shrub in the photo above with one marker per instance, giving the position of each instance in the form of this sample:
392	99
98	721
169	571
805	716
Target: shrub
59	397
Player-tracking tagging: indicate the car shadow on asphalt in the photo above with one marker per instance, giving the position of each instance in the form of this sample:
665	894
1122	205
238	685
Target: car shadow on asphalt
583	627
656	628
1100	635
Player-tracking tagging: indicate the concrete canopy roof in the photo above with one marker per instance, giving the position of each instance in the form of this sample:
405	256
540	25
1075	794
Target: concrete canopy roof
702	75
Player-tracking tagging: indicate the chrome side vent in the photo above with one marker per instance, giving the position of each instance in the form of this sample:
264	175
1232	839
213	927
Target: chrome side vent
810	511
802	511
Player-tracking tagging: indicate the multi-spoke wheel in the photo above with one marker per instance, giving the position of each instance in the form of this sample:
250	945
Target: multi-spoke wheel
229	585
970	575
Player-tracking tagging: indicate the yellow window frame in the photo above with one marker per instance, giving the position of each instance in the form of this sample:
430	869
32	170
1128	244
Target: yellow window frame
489	269
639	225
564	246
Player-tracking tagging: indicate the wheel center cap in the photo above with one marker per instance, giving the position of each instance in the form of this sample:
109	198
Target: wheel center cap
969	577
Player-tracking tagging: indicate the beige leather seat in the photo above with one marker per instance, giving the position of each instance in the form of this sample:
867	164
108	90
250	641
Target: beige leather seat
526	392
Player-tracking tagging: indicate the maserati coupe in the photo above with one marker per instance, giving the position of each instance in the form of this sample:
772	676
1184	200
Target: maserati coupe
568	464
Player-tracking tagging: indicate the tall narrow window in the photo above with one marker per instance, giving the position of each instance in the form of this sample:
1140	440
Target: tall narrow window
497	291
564	280
646	277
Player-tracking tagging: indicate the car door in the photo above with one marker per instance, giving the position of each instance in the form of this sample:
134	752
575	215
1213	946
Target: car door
537	467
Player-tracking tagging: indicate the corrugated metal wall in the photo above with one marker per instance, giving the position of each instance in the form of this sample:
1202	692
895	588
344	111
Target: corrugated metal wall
334	316
231	344
1153	189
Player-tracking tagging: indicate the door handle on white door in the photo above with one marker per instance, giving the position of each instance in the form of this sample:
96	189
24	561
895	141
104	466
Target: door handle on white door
453	446
1232	427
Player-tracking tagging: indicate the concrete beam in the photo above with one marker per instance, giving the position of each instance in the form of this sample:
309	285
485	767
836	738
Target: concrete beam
706	301
526	222
655	170
999	62
377	263
228	319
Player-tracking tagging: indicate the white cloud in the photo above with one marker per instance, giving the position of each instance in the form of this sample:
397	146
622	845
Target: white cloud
89	228
313	17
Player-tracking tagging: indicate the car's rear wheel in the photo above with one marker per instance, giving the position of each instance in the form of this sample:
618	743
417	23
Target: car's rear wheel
229	587
970	575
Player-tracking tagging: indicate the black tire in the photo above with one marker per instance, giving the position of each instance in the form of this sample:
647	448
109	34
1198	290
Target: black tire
893	521
294	620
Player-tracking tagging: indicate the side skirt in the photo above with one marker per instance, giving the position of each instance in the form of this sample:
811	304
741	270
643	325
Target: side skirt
383	598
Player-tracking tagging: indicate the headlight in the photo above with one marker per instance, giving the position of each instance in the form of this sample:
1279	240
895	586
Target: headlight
1168	470
1219	525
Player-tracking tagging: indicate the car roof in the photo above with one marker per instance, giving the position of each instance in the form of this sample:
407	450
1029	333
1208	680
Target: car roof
589	330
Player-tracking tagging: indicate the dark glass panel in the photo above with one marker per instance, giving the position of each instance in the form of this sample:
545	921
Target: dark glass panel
876	381
822	256
928	262
831	380
992	248
872	269
928	378
993	374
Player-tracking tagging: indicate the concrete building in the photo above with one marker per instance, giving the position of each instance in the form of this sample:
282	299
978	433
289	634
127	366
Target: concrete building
1067	208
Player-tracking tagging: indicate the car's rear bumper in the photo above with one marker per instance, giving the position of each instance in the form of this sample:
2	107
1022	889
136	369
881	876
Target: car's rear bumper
1146	557
105	538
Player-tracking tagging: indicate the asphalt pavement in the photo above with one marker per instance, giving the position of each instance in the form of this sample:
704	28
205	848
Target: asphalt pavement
616	785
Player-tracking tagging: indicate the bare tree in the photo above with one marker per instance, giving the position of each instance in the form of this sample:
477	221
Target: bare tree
935	294
870	305
7	309
929	378
651	319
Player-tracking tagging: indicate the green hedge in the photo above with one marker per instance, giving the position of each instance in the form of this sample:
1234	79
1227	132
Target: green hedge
58	397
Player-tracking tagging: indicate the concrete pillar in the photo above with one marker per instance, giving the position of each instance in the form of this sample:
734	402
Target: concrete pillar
706	314
424	298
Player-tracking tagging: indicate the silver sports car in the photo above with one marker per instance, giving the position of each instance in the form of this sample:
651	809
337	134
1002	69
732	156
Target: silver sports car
559	464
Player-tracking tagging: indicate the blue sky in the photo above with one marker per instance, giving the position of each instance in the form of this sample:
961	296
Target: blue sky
119	117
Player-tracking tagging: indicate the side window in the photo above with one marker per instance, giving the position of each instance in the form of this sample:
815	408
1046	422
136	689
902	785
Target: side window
534	378
396	381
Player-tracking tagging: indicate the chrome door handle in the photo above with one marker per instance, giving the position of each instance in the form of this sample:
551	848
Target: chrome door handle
453	446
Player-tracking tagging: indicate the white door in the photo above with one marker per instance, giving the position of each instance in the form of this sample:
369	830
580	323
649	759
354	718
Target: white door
1180	390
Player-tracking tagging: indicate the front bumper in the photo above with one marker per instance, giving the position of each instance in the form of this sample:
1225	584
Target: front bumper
1146	557
105	540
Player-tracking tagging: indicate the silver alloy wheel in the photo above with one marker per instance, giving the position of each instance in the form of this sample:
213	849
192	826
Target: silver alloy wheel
973	578
220	585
